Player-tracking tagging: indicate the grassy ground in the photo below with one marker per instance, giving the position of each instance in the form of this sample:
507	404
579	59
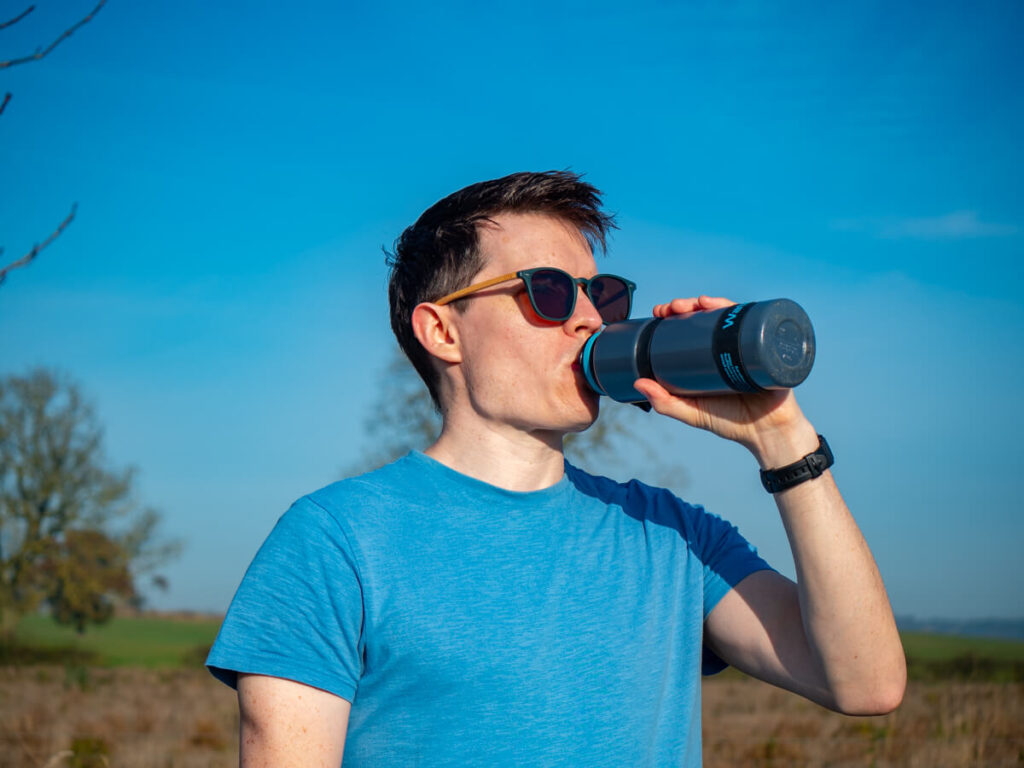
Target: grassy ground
929	647
948	657
169	642
183	718
136	695
939	725
149	642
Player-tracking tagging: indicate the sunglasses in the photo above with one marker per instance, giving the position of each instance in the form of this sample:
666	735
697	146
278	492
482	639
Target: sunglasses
552	293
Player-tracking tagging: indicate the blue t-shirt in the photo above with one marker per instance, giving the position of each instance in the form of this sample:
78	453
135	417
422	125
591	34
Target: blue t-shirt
471	625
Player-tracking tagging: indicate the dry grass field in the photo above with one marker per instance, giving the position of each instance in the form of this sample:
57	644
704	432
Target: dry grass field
88	718
163	718
939	725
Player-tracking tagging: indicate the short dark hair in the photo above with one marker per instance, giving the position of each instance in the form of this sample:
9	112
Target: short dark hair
440	253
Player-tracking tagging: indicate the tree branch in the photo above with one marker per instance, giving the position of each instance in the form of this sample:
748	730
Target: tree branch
18	18
39	246
7	97
66	34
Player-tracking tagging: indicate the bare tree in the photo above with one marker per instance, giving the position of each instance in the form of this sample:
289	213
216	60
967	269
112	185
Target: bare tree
38	55
34	251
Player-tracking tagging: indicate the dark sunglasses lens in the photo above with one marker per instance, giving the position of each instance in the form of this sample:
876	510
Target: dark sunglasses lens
552	293
611	297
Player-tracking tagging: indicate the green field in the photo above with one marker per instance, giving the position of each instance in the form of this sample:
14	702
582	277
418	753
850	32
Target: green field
931	647
157	641
124	641
953	657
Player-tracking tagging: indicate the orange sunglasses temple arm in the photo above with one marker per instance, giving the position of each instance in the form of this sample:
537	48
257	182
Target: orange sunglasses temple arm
474	288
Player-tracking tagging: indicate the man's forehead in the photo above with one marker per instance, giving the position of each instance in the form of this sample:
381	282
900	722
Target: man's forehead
512	230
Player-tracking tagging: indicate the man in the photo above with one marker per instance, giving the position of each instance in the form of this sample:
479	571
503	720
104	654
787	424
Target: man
486	603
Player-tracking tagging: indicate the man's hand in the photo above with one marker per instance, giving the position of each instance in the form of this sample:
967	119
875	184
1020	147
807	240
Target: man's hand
289	725
770	424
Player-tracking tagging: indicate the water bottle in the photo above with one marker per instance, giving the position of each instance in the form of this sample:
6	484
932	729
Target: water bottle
749	347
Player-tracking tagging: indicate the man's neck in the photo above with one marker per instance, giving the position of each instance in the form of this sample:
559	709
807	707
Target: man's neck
509	459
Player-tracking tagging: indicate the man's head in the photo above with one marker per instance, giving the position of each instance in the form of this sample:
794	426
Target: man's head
441	252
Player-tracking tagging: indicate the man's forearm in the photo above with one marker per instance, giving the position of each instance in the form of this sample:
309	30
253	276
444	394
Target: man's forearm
844	607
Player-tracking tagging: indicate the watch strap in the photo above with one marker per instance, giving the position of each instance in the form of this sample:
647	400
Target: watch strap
807	468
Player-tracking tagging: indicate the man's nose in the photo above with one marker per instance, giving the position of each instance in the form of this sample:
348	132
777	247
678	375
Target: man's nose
585	317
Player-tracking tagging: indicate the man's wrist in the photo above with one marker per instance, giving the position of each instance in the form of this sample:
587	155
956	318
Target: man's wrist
807	468
781	447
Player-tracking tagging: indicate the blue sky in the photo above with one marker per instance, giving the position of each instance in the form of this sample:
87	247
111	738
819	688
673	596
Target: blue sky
238	167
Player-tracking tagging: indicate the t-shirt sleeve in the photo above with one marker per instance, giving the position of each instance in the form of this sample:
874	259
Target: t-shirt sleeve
298	613
727	559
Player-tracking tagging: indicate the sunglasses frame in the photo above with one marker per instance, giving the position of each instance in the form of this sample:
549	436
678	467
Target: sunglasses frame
526	275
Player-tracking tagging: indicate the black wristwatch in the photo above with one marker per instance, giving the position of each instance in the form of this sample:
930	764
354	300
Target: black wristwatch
809	467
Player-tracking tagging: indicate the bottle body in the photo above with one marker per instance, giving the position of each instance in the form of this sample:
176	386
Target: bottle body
748	347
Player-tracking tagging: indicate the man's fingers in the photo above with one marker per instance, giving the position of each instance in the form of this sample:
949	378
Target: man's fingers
692	304
666	403
677	307
714	302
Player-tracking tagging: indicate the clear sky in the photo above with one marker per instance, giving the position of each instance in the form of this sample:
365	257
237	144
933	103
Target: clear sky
238	167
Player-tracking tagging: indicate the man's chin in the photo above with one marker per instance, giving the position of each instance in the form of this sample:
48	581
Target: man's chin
593	409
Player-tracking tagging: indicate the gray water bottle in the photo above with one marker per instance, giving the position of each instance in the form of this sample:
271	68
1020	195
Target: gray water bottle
748	347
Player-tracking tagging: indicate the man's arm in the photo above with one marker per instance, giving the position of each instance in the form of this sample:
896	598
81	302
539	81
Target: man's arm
288	724
831	636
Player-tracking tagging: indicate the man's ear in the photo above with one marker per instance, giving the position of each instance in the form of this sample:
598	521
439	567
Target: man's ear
436	331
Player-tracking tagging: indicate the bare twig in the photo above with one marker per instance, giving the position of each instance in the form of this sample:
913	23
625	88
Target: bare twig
27	258
7	97
59	758
18	18
66	34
